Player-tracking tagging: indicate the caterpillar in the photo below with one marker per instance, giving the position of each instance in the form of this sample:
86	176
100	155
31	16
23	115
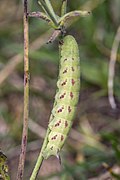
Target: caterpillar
66	98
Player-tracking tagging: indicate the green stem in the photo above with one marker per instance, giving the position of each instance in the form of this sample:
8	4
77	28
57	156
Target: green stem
71	14
43	16
47	7
26	97
64	8
40	158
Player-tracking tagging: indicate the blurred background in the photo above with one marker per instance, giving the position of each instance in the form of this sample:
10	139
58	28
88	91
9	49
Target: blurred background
93	146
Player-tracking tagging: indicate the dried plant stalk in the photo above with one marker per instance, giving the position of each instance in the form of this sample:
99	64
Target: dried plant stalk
113	58
26	97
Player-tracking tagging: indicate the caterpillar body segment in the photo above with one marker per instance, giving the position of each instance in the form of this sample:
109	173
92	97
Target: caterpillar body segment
66	98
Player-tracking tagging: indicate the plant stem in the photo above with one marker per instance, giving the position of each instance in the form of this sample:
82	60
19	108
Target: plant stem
72	14
43	16
47	7
40	158
64	8
26	97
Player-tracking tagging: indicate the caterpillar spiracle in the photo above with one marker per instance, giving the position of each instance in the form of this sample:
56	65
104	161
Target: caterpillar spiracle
66	98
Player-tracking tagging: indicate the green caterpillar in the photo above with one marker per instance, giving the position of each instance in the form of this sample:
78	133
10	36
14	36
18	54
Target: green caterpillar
66	98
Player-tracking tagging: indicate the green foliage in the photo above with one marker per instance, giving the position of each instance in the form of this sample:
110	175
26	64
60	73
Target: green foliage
95	72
